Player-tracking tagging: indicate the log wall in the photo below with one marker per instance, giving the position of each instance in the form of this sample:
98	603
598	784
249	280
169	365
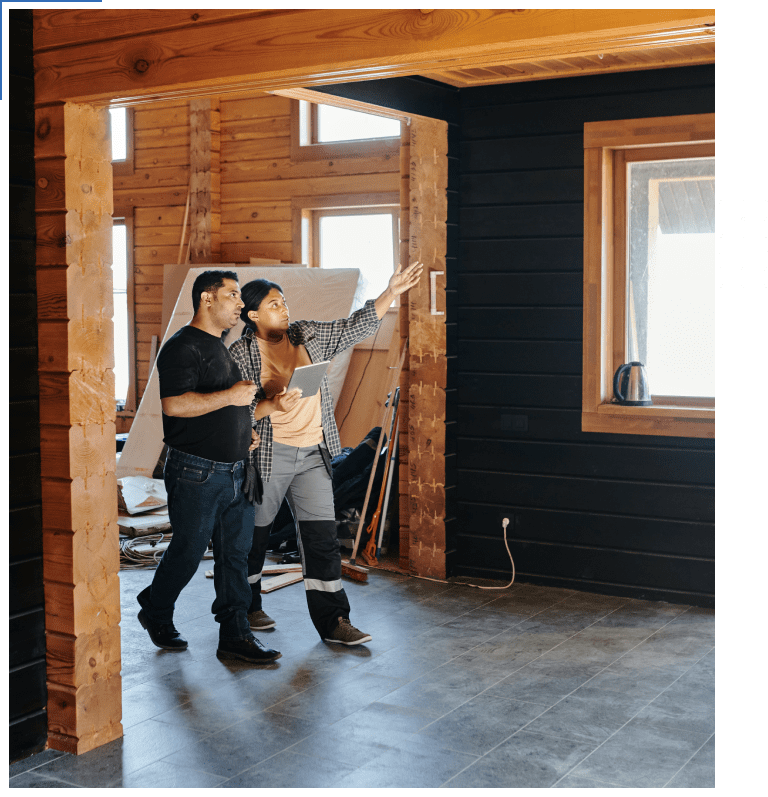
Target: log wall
73	179
428	373
258	181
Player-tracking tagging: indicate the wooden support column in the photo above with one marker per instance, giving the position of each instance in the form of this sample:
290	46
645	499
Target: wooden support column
205	180
404	501
427	360
77	417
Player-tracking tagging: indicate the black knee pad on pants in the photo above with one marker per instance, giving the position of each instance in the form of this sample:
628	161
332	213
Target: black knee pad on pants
326	598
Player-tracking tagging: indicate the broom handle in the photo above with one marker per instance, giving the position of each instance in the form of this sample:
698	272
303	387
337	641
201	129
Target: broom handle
389	484
393	383
370	548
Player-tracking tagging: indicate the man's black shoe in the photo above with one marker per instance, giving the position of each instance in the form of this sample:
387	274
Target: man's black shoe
164	635
247	649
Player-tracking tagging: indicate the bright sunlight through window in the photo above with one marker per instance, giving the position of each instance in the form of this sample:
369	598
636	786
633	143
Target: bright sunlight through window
681	316
360	241
671	299
339	124
118	118
120	305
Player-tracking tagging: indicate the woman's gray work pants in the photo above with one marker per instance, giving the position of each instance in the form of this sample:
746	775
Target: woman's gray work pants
300	474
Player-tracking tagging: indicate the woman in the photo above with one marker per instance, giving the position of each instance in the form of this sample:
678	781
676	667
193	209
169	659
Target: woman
298	439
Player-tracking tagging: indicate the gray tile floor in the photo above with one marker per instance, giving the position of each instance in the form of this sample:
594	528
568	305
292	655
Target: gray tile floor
460	687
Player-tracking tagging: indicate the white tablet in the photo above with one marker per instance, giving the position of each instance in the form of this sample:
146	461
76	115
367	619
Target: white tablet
308	378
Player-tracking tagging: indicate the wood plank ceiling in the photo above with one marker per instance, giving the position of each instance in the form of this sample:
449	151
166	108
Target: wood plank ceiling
682	47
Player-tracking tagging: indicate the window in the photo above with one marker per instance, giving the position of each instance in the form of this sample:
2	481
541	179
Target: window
121	131
327	123
120	309
671	279
364	238
121	134
352	231
649	273
355	230
325	132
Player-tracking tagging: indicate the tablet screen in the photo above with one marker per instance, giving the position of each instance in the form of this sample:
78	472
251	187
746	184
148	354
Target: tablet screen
308	378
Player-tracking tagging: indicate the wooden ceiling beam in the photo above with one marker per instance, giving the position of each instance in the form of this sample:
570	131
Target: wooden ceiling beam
311	47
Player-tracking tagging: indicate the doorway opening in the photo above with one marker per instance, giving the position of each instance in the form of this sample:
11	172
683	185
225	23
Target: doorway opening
83	622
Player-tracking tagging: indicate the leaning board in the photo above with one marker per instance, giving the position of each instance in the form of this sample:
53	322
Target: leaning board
311	293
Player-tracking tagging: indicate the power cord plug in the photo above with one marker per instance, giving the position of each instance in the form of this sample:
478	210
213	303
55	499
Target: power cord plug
504	524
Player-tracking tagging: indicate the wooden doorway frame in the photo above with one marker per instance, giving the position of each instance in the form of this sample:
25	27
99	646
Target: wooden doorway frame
86	60
77	411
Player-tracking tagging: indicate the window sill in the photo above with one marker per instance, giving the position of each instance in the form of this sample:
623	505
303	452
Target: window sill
658	419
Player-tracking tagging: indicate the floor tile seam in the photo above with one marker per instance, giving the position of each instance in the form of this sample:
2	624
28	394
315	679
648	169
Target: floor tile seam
560	701
607	784
319	683
487	752
689	761
177	766
280	752
517	670
486	605
142	699
236	774
680	728
610	736
362	688
41	764
489	639
203	734
59	779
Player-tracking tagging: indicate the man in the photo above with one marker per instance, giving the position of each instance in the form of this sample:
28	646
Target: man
207	427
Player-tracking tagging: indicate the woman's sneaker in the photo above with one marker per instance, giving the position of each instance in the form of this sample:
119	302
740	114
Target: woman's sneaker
259	621
346	634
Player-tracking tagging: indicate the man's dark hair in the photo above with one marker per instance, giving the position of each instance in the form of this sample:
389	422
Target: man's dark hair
209	282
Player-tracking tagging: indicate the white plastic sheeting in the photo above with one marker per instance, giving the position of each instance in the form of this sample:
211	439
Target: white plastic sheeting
312	293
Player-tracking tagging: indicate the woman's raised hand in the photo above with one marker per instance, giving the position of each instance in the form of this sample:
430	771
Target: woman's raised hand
405	279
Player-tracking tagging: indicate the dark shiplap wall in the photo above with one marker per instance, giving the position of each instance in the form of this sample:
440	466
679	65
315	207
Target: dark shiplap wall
27	621
620	514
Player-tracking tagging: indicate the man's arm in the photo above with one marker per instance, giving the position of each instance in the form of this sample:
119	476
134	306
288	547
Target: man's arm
192	405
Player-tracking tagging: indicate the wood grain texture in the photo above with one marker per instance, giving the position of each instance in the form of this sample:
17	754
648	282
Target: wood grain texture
191	52
77	412
427	375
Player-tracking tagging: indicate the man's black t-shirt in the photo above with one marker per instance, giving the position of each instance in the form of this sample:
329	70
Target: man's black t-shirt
195	361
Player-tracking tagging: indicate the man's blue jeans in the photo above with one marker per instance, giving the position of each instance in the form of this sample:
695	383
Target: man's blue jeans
205	503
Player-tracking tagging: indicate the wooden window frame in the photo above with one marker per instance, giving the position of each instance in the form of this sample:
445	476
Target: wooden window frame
306	212
357	148
608	147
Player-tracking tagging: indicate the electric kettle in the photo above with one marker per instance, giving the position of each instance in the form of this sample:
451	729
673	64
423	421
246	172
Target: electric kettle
630	385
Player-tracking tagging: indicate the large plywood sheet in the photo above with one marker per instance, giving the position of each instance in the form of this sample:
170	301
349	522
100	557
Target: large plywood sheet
174	275
312	293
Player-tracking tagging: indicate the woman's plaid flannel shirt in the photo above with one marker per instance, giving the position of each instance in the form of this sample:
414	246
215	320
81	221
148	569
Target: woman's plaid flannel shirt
323	341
